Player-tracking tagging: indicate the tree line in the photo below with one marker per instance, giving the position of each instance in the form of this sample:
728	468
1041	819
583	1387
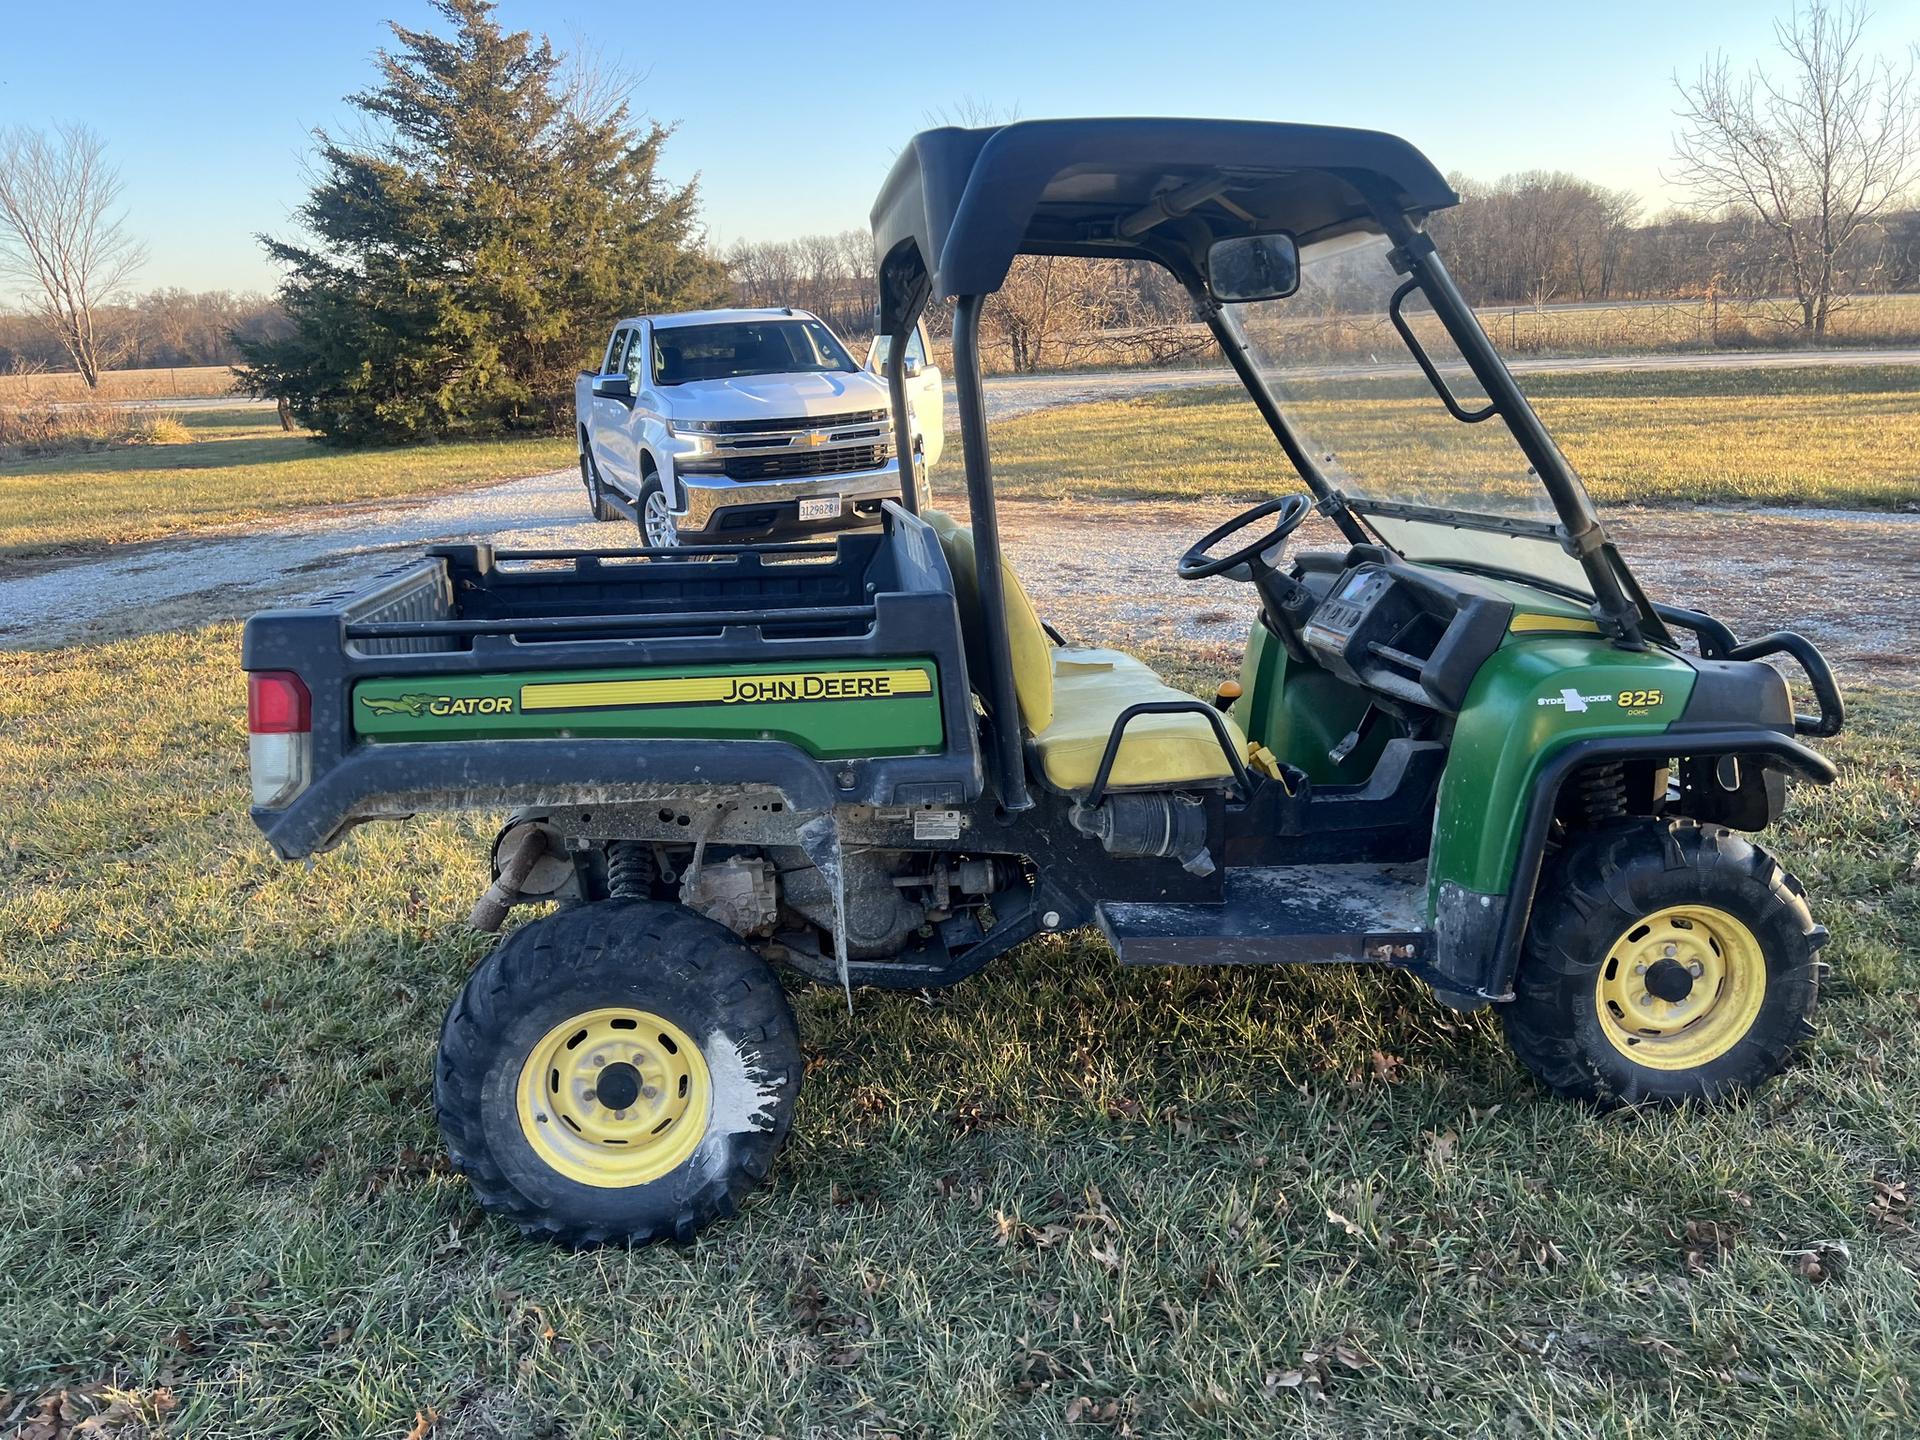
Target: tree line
497	205
1537	238
150	331
1546	238
1532	239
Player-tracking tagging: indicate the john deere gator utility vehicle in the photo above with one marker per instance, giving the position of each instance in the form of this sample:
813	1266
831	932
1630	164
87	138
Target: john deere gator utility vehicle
1464	742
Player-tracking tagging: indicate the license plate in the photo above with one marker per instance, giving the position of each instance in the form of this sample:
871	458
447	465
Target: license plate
820	507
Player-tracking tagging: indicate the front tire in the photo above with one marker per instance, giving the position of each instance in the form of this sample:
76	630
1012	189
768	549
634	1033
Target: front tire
657	528
1664	964
622	1071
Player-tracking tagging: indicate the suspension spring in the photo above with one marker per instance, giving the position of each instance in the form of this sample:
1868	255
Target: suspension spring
630	870
1599	793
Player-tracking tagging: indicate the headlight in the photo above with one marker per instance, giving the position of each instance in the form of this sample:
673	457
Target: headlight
691	437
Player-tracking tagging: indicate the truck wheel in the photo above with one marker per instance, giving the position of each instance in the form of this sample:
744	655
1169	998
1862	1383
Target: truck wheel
624	1070
597	505
656	518
1664	964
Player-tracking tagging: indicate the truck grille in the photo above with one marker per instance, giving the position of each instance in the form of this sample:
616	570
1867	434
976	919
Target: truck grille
802	464
800	422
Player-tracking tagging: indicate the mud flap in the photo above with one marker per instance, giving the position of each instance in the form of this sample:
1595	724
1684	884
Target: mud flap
820	838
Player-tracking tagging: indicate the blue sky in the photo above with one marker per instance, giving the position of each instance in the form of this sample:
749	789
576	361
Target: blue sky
782	111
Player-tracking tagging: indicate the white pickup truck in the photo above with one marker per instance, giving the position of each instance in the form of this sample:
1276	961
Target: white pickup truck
731	426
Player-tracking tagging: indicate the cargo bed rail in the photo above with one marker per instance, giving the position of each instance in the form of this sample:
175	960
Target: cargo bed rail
870	601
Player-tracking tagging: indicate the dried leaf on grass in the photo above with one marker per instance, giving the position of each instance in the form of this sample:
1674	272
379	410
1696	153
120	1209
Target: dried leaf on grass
1344	1223
1315	1374
96	1410
1703	1244
1821	1261
1890	1209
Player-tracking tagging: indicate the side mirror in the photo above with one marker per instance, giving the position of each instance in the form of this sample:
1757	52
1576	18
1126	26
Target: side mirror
911	368
1253	267
614	387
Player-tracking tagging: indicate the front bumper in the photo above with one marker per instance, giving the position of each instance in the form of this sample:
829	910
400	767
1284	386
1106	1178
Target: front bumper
717	509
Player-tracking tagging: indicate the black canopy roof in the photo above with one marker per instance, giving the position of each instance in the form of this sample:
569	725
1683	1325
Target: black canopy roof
960	204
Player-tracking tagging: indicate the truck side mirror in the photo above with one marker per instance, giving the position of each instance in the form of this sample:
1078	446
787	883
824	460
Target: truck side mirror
911	368
613	387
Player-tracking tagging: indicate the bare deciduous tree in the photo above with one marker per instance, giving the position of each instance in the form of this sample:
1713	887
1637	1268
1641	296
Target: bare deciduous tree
1813	156
60	236
1538	237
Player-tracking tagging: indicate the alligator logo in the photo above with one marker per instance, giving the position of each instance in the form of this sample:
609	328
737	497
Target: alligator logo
414	705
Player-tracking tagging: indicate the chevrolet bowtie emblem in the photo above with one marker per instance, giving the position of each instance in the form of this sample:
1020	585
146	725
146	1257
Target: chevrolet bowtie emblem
814	439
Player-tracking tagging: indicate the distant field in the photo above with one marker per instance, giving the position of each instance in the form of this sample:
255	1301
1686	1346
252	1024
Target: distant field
239	466
1626	328
1840	436
1693	324
191	382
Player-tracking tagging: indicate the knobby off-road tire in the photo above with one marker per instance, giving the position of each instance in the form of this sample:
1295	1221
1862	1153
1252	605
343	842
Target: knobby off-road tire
632	1003
1624	915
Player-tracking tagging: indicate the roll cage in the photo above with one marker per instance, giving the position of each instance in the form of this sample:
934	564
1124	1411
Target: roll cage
961	204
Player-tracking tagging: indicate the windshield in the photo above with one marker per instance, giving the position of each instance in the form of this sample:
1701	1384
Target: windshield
1378	430
738	348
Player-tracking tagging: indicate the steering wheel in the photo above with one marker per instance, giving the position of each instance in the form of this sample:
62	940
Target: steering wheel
1197	564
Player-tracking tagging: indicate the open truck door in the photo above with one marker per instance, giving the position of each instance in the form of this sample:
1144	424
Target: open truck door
923	389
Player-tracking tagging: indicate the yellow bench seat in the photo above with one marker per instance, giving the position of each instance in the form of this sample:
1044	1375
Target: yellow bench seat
1069	696
1091	688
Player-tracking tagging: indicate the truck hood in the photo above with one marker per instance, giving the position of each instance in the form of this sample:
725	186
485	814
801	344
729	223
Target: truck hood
775	397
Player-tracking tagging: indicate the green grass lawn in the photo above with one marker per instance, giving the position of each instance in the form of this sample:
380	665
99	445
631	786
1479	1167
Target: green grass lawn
1062	1199
239	466
1840	436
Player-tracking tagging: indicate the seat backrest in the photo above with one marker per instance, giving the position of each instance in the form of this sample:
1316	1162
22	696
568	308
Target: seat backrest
1027	640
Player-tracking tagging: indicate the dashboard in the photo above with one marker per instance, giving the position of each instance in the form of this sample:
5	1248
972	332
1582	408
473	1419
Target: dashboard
1416	635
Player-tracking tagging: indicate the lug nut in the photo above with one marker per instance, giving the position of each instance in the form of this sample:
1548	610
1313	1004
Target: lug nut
1696	969
1640	969
1645	999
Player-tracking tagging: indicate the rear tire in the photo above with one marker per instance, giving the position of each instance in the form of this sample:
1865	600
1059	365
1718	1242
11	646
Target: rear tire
580	1032
1664	964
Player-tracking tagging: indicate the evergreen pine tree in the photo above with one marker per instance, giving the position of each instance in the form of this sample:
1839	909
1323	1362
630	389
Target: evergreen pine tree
472	253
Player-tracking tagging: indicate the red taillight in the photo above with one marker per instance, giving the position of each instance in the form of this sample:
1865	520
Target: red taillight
278	704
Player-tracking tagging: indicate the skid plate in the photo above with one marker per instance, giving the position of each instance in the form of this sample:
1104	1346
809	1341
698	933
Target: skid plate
1283	915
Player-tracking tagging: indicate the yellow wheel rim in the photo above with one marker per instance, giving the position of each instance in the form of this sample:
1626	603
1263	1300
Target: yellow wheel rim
1681	987
614	1097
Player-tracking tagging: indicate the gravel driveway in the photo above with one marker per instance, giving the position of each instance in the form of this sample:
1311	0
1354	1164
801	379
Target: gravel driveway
1850	580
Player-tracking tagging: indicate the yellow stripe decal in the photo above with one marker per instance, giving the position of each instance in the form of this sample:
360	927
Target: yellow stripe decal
1538	624
727	689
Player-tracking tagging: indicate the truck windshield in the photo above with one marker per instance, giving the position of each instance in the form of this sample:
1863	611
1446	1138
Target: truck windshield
737	348
1352	393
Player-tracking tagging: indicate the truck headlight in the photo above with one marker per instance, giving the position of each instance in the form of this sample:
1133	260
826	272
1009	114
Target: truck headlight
692	437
